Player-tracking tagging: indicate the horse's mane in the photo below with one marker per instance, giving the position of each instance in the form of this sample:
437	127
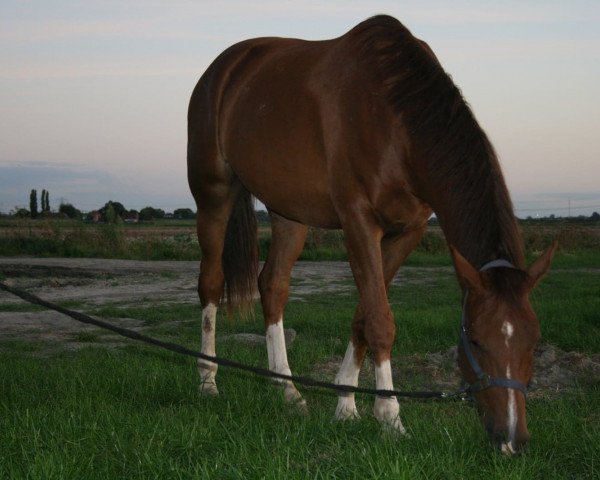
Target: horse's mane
460	160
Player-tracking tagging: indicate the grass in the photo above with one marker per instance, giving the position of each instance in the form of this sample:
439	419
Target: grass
68	238
141	418
134	412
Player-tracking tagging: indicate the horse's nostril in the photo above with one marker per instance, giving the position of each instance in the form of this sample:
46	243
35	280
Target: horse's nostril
522	442
522	447
509	447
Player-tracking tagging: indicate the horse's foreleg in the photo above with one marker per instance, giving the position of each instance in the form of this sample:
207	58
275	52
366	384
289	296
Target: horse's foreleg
374	320
394	251
287	240
348	375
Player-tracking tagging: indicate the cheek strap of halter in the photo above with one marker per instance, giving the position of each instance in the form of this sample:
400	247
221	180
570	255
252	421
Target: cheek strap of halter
485	381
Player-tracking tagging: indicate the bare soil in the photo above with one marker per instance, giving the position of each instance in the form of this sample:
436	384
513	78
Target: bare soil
92	283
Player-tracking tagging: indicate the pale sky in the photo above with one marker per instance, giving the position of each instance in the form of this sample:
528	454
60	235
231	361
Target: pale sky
94	94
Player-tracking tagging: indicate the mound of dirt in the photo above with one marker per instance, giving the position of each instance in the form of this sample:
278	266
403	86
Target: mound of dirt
555	371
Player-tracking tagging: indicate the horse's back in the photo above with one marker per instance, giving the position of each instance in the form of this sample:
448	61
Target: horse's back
292	118
254	115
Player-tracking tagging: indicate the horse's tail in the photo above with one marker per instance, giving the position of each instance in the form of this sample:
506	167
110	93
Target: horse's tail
240	256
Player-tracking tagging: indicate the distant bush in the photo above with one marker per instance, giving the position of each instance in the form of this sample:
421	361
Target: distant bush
65	238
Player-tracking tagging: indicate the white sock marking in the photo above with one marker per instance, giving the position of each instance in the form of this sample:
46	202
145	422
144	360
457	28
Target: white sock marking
387	409
278	361
347	375
209	320
276	349
383	376
208	370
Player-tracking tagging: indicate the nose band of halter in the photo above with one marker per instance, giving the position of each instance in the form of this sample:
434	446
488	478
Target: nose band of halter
485	381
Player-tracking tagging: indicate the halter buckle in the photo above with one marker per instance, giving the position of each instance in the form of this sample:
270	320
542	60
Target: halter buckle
484	381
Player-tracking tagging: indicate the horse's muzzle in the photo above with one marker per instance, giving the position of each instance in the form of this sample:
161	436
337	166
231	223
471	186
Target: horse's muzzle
510	447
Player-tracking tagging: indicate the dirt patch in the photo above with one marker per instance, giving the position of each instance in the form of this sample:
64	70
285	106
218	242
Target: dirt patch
54	332
555	371
95	282
129	282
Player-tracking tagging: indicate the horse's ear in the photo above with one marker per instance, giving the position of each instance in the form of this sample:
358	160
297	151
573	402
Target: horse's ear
468	276
540	267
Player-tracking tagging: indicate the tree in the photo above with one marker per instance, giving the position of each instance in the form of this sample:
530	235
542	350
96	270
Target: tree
111	214
69	210
184	213
150	213
595	217
117	207
33	205
45	202
22	213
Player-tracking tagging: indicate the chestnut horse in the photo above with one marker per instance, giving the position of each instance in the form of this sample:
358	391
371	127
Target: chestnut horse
366	133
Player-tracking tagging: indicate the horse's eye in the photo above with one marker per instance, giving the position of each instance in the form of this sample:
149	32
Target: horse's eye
475	343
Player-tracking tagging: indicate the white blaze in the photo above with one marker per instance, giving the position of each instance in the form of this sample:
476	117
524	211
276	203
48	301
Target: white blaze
511	410
511	406
507	331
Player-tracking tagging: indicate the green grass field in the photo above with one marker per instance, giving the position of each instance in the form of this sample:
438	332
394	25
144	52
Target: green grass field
134	411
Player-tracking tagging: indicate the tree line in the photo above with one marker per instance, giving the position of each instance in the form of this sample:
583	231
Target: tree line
111	211
34	212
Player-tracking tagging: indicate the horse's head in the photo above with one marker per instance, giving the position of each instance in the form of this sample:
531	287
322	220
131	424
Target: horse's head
501	332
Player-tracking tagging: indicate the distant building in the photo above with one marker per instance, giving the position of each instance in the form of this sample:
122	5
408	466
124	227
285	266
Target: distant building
131	217
94	216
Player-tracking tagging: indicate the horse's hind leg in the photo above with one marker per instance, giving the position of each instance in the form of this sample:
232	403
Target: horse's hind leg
287	240
211	227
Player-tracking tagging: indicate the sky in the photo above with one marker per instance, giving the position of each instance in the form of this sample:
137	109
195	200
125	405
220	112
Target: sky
94	94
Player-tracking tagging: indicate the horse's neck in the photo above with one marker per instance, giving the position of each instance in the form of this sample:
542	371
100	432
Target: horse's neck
481	231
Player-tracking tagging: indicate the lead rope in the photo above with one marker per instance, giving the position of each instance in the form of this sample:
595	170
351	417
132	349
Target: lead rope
263	372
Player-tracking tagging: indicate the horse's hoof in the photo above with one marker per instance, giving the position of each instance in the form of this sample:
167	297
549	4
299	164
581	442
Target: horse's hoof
394	427
301	407
293	397
208	389
387	411
345	412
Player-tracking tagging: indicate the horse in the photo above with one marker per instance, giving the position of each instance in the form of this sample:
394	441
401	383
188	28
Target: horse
366	133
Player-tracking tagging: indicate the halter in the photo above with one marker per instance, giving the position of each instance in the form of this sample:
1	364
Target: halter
485	381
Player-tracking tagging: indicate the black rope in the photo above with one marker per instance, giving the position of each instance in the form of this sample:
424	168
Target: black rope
311	382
